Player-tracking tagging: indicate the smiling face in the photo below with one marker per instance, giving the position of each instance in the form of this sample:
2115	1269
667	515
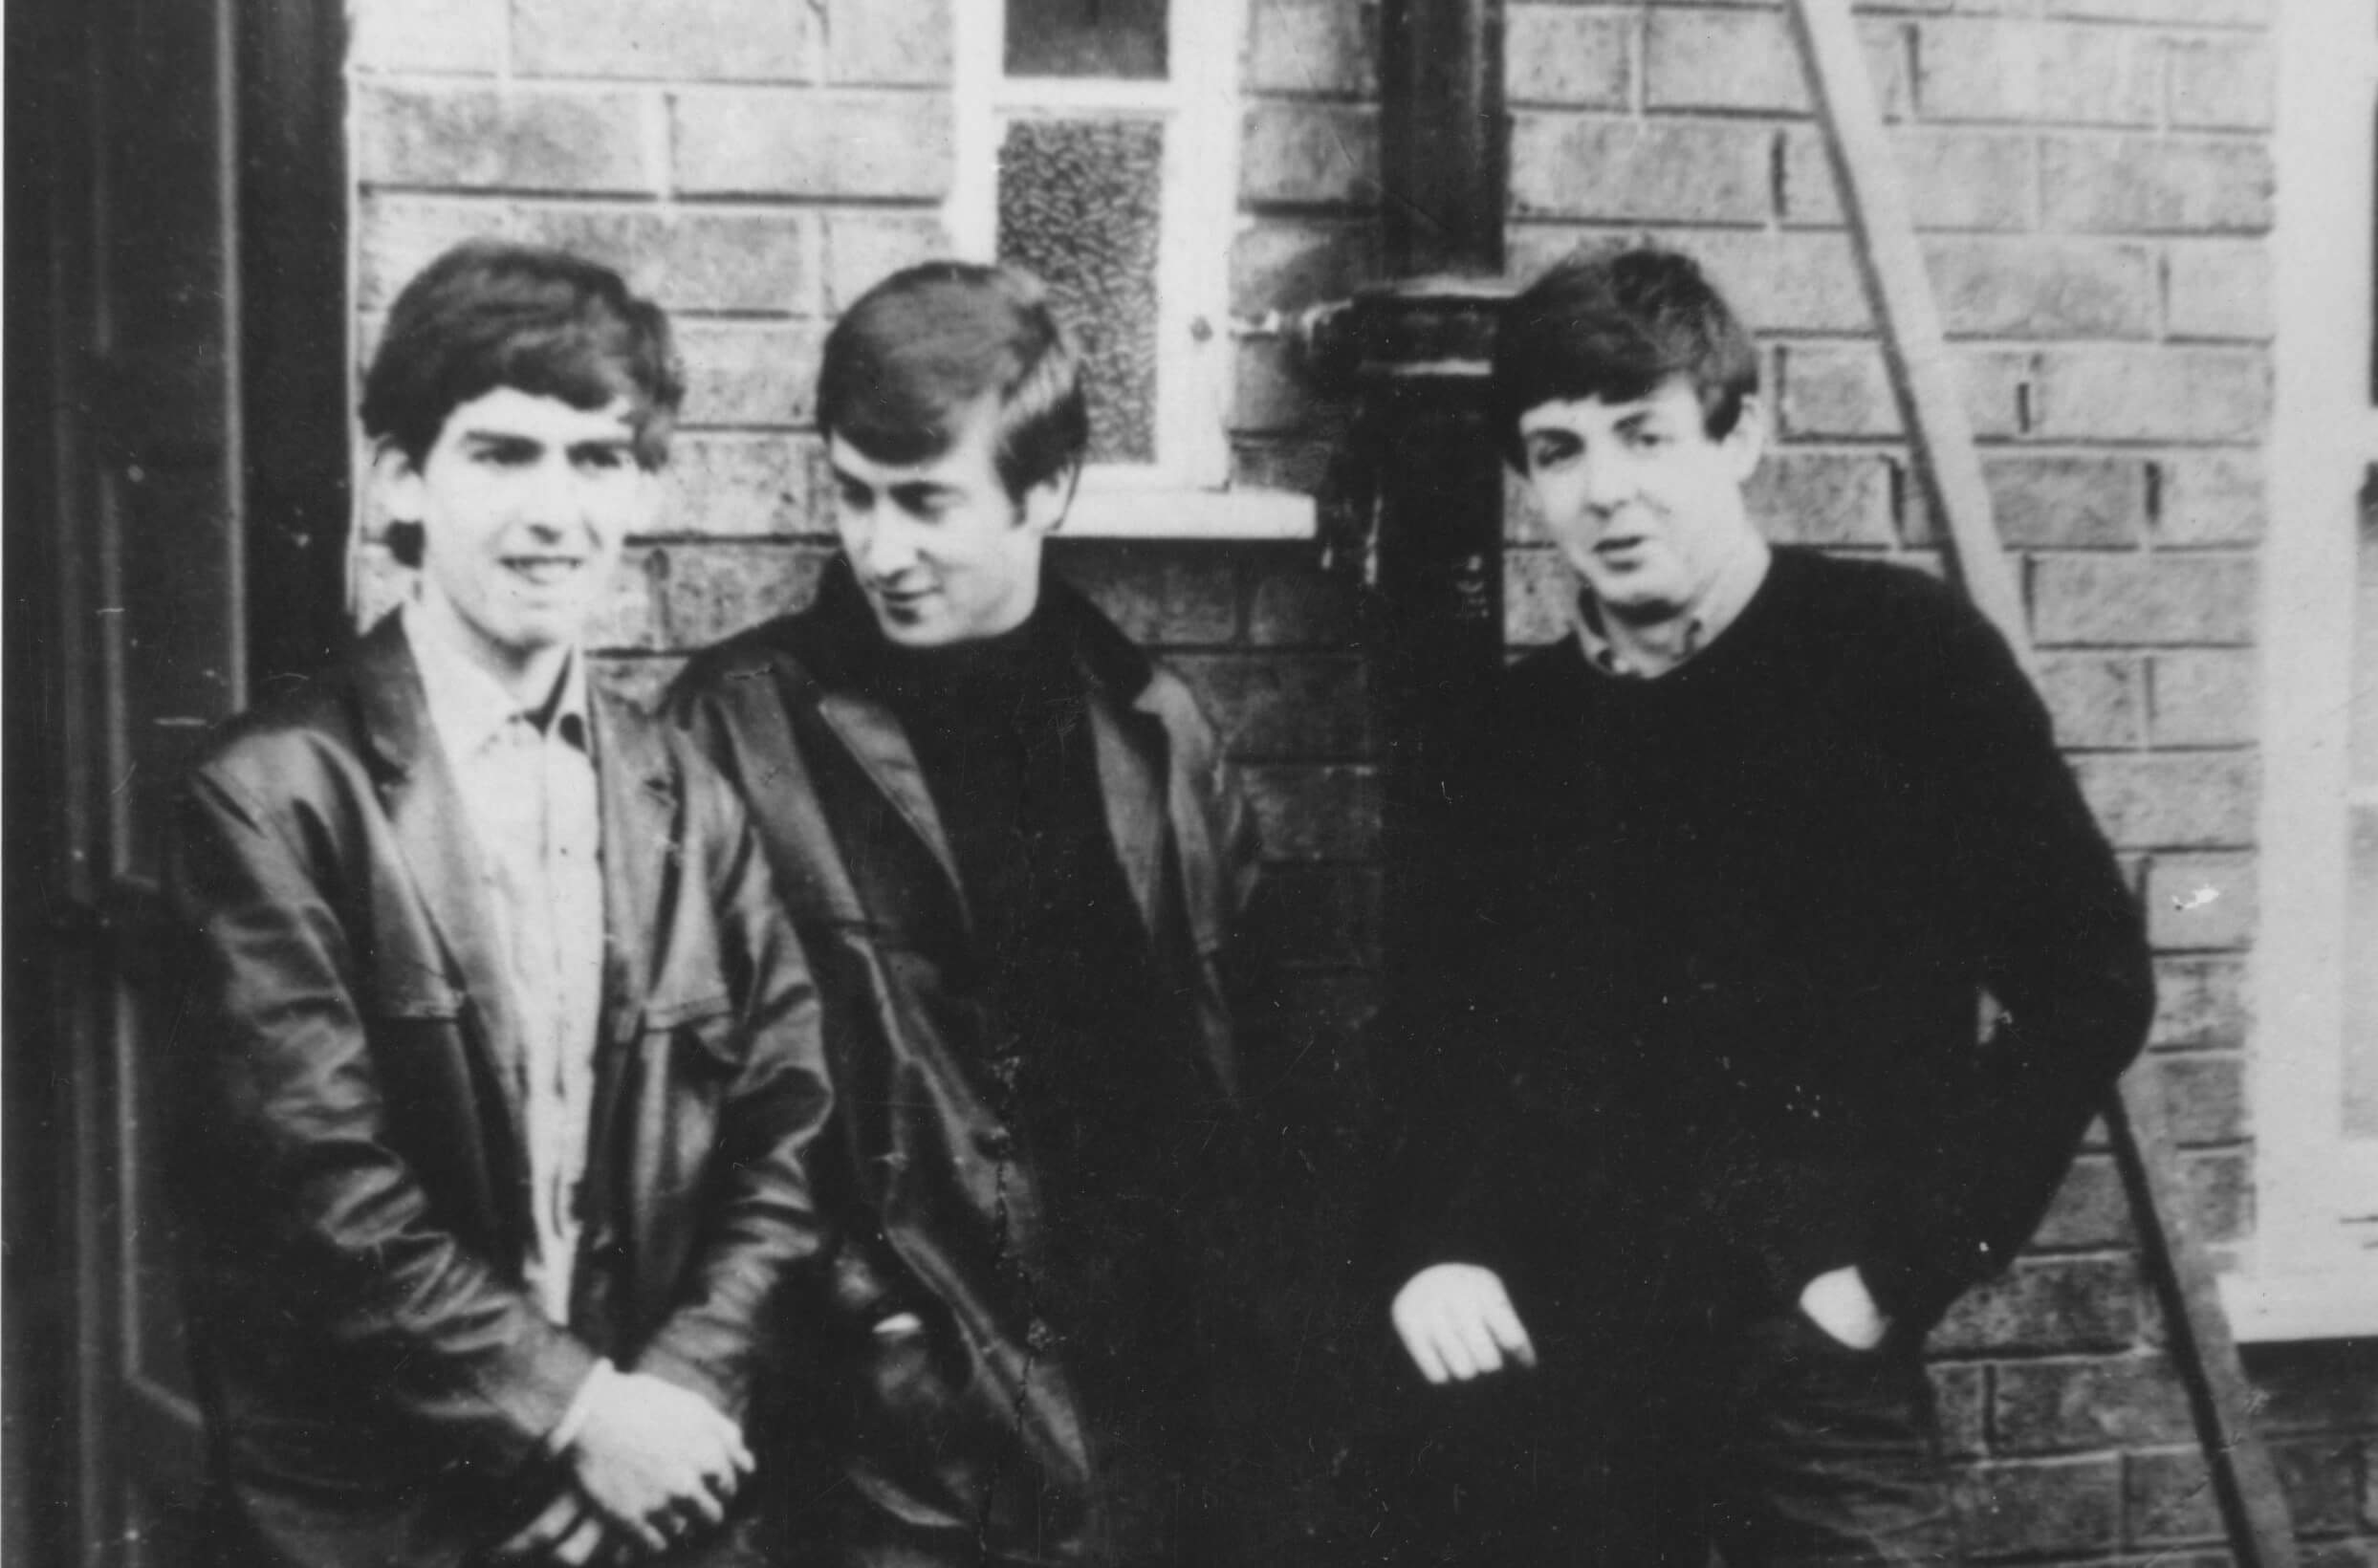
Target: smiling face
944	552
1644	505
523	502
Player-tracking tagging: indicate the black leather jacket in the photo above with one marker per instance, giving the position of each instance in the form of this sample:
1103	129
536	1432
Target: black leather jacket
955	1434
351	1185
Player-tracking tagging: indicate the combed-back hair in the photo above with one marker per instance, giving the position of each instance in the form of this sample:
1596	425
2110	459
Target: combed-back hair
915	355
1616	325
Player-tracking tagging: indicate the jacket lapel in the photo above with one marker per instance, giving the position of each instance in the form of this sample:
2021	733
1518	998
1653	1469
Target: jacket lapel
826	675
873	736
1130	736
1131	774
425	811
639	803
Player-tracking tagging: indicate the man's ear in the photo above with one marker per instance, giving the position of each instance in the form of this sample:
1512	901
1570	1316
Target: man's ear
396	478
1046	503
1747	441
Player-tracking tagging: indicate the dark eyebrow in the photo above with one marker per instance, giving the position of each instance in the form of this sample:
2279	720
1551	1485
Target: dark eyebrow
917	491
501	438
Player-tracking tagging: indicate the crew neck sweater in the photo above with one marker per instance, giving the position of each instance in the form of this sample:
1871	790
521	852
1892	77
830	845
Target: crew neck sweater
1717	941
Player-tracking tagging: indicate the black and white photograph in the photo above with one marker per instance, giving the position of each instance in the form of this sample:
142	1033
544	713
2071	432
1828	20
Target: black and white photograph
1190	784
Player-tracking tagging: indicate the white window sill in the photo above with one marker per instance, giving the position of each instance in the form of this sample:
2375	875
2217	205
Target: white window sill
2336	1304
1238	515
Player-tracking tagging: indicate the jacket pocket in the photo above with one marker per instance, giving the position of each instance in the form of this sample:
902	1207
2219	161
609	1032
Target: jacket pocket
920	1442
701	1033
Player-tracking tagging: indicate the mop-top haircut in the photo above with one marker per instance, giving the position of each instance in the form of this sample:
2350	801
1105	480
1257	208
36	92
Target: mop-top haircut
488	314
1617	325
911	360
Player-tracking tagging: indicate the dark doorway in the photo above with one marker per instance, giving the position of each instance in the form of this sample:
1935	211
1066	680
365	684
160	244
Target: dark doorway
176	506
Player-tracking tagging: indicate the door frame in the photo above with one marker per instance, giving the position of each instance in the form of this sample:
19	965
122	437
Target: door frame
88	1446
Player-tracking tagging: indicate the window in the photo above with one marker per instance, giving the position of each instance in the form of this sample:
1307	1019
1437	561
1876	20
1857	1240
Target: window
1098	147
2313	1268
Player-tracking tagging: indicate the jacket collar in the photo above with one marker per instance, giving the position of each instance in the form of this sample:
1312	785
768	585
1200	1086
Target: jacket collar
844	646
839	644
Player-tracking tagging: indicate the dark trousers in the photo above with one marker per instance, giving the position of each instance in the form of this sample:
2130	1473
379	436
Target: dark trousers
1771	1445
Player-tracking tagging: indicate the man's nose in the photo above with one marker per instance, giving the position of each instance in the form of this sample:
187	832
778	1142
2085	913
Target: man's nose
558	499
1610	480
885	545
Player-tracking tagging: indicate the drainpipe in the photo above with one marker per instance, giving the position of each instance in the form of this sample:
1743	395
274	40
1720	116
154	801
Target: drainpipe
1420	512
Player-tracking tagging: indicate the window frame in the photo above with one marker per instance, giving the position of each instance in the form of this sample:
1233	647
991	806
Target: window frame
2311	1270
1186	491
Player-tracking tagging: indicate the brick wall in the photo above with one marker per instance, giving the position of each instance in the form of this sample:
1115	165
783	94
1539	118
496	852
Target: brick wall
2092	178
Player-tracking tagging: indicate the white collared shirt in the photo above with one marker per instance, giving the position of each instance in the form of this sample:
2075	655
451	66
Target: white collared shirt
1643	653
529	794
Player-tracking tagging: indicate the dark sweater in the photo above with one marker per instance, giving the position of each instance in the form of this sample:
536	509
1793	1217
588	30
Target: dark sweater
1717	940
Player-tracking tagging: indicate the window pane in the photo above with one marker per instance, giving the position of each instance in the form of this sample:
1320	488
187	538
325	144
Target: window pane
1086	38
1080	206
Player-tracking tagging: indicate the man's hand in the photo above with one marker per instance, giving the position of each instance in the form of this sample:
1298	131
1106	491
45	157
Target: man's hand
569	1530
1457	1323
1839	1303
659	1462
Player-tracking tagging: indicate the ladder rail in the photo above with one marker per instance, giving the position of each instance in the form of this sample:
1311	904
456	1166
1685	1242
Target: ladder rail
1948	470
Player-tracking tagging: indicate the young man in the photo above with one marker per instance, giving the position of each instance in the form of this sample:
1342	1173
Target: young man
1726	876
503	1061
1019	864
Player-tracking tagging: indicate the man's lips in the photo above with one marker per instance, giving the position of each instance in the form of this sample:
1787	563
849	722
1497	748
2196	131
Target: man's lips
900	599
545	571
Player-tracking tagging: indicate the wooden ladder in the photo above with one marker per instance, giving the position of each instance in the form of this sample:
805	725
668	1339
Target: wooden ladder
2253	1510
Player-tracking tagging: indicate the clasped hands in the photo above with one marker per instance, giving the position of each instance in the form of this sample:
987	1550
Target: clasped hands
652	1466
1457	1322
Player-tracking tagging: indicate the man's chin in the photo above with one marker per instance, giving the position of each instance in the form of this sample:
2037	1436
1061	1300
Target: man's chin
1638	597
910	631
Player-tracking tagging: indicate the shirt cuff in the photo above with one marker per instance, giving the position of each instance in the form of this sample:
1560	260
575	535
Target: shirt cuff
582	1405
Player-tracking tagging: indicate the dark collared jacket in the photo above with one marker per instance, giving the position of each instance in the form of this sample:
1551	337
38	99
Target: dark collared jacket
354	1181
944	1432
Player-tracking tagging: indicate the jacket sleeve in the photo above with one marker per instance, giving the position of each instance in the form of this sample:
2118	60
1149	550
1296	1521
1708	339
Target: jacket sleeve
2060	943
760	1221
302	1181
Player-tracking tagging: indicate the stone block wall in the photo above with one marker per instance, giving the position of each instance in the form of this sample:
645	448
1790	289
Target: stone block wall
2093	180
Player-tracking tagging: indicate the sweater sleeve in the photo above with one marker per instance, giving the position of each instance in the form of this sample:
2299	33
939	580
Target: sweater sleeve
1452	1052
2034	891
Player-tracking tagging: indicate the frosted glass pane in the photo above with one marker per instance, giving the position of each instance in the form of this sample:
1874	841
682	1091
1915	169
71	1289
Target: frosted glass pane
1080	206
1086	38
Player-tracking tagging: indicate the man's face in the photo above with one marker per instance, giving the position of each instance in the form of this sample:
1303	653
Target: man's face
523	502
1643	504
946	556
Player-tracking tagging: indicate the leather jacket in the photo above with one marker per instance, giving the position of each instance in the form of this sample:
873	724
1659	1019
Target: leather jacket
352	1186
959	1436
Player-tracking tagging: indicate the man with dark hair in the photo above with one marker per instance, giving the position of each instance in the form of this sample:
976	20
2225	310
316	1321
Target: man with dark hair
1021	866
502	1060
1720	883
